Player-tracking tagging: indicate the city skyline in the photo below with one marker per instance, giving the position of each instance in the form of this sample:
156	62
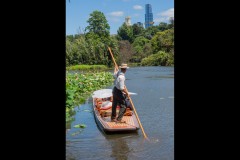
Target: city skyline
115	12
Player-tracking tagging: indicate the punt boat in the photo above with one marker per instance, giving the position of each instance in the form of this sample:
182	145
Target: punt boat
102	109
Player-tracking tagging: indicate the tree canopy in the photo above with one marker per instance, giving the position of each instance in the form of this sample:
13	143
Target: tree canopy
125	32
131	44
98	24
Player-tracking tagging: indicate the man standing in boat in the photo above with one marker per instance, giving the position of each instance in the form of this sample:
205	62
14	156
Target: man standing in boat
119	94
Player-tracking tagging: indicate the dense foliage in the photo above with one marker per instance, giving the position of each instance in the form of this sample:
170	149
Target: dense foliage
125	33
159	59
163	41
91	47
131	44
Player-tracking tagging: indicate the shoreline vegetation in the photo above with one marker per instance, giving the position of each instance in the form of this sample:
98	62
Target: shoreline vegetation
88	67
146	62
80	86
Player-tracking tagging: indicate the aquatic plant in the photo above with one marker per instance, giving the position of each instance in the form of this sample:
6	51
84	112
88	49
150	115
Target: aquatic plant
80	86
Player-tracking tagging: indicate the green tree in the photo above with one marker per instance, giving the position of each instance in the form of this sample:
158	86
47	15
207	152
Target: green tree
141	48
68	51
140	41
82	47
98	39
150	32
95	48
125	32
163	41
159	59
163	26
98	25
125	50
70	38
72	53
137	30
147	49
115	50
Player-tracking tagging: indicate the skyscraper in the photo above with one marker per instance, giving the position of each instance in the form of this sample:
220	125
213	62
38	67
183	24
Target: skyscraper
148	16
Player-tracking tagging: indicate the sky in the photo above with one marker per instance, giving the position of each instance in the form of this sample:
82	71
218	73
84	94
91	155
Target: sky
115	11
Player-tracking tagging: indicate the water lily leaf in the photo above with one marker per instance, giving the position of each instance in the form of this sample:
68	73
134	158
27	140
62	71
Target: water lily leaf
80	126
77	126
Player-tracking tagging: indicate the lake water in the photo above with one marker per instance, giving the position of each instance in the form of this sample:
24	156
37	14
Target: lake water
154	104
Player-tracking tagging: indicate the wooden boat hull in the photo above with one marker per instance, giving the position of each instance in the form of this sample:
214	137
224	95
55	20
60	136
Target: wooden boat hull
105	124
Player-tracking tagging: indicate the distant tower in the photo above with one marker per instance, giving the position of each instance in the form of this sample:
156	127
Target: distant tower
148	16
140	24
128	21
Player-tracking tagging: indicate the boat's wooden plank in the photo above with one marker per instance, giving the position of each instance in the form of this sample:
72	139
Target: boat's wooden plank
129	122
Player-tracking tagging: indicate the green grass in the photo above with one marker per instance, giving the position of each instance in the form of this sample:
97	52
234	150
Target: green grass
87	67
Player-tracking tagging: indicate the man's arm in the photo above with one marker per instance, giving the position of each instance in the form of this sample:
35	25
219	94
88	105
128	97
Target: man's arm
125	91
115	72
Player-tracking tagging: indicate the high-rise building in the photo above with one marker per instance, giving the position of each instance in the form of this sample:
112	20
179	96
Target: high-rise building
128	21
148	16
140	24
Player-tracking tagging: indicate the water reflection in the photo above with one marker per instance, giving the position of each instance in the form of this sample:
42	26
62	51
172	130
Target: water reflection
120	148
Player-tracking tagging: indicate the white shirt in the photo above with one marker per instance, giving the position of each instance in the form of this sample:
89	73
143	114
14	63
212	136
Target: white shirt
119	80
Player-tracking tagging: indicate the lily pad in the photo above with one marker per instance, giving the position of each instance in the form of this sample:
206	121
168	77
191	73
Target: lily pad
80	126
